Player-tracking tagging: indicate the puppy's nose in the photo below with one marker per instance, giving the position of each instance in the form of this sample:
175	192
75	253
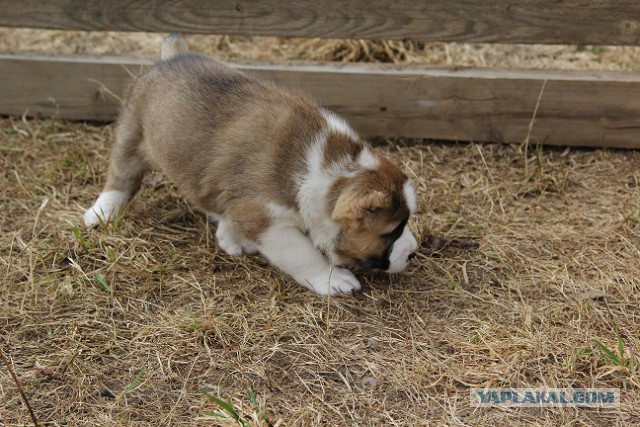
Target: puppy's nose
411	256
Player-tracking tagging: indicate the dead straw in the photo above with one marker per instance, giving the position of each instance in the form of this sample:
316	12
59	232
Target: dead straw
7	363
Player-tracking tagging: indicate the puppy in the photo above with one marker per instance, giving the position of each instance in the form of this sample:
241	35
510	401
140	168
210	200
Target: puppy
280	175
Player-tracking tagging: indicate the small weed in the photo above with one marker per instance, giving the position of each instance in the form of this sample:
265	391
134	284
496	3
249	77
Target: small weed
456	287
76	232
115	222
131	386
103	224
261	410
494	255
618	357
195	324
584	351
632	217
451	219
101	281
477	335
111	255
45	279
228	412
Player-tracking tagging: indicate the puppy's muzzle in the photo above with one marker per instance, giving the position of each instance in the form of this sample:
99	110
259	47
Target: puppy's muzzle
390	262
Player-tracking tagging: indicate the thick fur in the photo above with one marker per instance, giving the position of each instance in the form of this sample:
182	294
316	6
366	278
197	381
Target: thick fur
279	174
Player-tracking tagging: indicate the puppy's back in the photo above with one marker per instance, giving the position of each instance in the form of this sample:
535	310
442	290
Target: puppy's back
219	133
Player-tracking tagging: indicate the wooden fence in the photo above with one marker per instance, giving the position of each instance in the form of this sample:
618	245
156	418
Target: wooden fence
585	108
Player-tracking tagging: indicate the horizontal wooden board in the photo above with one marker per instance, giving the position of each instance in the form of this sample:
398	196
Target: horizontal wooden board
577	108
515	21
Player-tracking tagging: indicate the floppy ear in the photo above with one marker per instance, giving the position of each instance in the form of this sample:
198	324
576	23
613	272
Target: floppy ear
355	206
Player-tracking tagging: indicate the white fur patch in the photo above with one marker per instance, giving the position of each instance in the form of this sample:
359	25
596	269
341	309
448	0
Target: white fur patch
106	208
402	248
232	243
228	240
285	216
315	185
367	159
409	192
291	251
338	124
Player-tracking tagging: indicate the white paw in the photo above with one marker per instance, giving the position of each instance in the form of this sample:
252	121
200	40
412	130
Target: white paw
231	243
91	219
106	208
339	280
230	246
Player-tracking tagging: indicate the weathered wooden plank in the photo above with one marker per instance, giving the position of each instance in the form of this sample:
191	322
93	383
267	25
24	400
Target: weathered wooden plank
510	21
577	108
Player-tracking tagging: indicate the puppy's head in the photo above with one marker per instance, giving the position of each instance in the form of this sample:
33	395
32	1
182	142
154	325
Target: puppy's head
373	208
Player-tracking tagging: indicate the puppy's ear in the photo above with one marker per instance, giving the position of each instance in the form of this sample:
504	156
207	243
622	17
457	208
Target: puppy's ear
356	206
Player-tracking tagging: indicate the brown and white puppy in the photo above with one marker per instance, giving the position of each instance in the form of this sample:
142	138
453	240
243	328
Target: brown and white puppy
279	174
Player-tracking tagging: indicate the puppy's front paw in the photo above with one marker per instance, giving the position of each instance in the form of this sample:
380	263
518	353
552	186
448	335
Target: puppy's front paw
91	218
106	208
340	280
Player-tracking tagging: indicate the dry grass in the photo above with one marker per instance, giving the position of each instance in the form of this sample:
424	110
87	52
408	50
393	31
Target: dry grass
134	324
153	312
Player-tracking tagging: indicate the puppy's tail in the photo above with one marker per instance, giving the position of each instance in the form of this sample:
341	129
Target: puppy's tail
173	45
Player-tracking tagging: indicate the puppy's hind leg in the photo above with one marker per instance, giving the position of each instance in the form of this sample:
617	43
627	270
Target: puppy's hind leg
230	241
126	170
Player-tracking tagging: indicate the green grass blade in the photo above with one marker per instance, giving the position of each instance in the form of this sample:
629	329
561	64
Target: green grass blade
103	223
610	354
226	406
218	414
101	280
131	386
261	411
195	324
76	233
620	346
252	396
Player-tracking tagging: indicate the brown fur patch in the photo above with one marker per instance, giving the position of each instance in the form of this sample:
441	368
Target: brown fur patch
220	135
249	219
368	205
340	146
352	205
